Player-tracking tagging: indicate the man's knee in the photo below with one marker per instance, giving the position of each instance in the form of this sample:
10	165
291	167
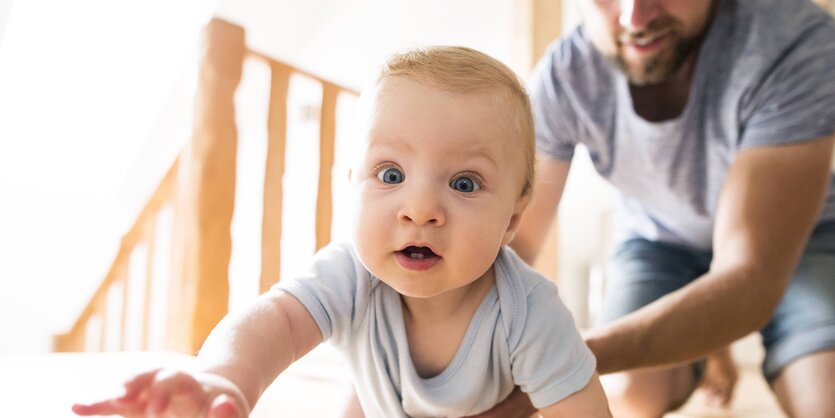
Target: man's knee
650	393
804	387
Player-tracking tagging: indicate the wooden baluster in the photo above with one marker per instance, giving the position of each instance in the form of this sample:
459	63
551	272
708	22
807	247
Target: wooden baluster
151	241
64	342
72	340
327	134
200	286
77	340
124	279
273	174
543	24
102	308
546	26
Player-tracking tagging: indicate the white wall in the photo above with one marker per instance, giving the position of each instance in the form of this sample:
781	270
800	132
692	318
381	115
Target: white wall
5	10
345	41
81	86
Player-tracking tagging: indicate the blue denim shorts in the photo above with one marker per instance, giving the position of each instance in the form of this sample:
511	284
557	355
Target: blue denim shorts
642	271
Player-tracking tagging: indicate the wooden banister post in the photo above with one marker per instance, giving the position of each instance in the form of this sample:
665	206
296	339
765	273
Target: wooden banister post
273	175
327	137
150	232
199	296
547	25
541	24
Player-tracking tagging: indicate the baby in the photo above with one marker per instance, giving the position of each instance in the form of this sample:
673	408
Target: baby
435	316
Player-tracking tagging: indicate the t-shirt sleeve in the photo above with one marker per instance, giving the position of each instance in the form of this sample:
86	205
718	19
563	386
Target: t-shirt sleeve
331	289
554	119
551	360
795	100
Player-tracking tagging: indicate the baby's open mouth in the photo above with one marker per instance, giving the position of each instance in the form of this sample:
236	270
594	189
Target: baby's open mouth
418	253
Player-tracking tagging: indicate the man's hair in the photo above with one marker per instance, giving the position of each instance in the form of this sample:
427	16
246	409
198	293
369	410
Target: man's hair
459	69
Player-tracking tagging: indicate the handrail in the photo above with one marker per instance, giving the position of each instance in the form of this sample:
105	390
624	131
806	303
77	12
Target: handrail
74	340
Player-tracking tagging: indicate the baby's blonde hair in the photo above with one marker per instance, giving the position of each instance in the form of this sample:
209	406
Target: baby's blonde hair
459	69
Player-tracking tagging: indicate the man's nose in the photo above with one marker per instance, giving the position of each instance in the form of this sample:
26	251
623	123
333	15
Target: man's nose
422	207
635	15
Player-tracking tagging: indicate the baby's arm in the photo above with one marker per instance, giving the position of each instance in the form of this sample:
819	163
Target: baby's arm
252	347
587	402
238	361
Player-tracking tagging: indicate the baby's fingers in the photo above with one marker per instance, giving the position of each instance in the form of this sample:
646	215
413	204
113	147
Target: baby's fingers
129	403
177	393
138	384
108	407
224	406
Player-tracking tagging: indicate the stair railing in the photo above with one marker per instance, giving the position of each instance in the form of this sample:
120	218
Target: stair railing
199	189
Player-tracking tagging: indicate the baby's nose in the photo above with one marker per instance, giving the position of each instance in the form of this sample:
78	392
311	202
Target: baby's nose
422	209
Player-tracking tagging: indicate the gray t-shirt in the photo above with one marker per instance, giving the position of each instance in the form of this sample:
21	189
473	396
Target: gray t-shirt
521	334
765	76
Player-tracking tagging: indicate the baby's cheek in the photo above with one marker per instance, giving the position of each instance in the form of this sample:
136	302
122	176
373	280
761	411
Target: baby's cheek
486	241
360	233
367	229
356	210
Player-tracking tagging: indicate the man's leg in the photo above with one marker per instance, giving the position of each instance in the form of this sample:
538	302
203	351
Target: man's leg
648	393
806	387
640	272
800	338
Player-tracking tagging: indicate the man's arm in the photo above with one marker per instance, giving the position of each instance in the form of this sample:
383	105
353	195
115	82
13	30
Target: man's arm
767	208
548	187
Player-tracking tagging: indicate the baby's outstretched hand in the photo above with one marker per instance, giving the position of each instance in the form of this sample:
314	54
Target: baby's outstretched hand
173	393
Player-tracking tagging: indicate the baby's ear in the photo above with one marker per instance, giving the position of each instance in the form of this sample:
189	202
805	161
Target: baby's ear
522	203
516	218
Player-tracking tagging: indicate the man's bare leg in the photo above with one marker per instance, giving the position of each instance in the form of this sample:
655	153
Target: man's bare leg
648	393
720	378
804	387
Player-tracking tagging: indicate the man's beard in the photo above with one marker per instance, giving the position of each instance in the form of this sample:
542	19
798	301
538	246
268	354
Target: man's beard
662	65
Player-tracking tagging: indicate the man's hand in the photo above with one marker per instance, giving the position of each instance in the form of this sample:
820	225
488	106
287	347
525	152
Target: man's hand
516	405
720	378
173	393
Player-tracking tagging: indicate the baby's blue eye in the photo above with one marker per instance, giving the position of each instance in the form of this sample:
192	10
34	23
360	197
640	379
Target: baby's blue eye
464	184
391	176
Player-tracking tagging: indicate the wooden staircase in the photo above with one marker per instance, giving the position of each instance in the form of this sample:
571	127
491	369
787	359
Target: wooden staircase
190	259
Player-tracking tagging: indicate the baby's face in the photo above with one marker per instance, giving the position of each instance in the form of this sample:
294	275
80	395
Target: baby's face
438	187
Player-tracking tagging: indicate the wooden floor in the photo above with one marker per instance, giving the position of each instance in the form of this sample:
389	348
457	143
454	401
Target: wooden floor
317	386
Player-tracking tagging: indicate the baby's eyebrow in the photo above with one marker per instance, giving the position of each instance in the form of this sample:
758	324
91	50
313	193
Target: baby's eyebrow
477	152
484	153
